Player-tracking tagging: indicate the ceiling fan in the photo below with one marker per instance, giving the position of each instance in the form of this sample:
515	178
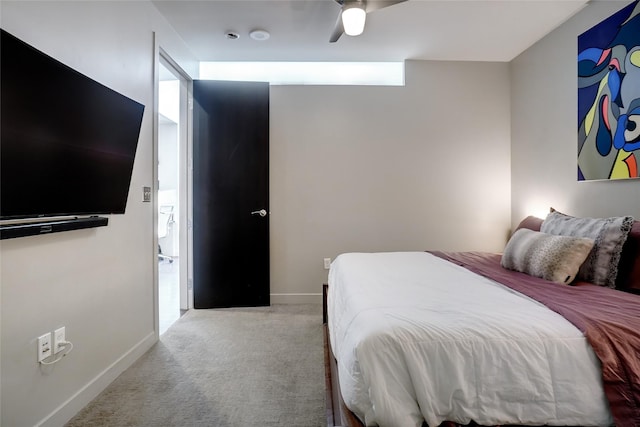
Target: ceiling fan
353	14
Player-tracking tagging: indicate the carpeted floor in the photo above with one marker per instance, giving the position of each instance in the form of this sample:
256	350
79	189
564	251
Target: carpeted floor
226	367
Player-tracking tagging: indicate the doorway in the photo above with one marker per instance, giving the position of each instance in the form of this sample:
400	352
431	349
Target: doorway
172	195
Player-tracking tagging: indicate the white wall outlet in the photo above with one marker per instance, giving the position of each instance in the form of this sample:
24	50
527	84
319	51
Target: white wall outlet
327	263
59	336
44	346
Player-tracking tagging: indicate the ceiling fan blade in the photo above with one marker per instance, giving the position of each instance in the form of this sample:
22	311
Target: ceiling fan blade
373	5
338	30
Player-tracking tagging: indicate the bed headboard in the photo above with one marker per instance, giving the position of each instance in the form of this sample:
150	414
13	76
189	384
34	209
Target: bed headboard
629	267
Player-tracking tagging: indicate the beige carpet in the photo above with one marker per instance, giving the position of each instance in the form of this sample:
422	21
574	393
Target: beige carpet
226	367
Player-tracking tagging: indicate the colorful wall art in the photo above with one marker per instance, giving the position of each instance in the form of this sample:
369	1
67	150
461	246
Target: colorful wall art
609	97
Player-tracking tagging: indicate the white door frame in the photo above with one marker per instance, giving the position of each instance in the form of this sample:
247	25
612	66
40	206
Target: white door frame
185	181
184	176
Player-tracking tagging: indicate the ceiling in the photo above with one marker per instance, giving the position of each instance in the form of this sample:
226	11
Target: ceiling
473	30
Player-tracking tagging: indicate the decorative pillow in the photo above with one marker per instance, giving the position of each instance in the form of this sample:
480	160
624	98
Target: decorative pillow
553	258
629	265
530	222
609	235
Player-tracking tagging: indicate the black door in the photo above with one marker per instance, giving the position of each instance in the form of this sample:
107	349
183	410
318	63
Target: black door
230	194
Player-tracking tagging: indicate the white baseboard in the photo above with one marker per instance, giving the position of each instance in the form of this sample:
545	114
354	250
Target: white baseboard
86	394
296	298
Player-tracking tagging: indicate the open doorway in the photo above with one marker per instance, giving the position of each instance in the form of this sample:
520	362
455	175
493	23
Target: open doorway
172	195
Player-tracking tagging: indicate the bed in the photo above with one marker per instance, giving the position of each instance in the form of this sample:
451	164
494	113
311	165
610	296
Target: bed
434	338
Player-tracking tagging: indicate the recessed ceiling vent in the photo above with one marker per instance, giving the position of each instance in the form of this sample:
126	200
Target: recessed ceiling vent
231	35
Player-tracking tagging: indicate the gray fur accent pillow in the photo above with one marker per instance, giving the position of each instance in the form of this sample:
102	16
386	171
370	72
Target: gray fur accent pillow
609	235
553	258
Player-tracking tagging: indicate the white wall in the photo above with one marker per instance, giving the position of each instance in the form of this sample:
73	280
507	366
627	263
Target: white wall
168	182
98	282
544	130
420	167
168	156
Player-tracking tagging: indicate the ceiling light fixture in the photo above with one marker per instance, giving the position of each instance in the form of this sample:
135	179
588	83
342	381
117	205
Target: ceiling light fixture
259	35
353	18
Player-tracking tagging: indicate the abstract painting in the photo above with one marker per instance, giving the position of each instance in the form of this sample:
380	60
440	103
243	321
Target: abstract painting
609	97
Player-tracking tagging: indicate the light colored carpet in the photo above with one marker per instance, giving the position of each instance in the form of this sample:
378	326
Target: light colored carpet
225	367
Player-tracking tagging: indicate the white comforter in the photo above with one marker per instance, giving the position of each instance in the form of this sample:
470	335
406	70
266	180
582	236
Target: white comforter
417	337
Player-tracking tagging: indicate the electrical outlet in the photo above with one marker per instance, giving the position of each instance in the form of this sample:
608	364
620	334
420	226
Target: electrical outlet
44	346
58	337
327	263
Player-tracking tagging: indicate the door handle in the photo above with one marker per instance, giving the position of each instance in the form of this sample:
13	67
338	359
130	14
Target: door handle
261	212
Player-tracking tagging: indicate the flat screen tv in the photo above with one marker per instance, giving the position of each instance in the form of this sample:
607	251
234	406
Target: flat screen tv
67	142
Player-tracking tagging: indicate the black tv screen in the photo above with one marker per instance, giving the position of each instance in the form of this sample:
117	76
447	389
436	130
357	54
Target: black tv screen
67	142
